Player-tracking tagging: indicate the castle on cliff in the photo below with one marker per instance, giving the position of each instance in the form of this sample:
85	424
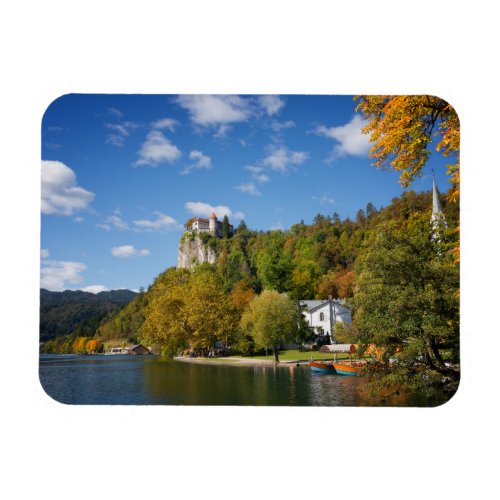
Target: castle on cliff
211	226
192	250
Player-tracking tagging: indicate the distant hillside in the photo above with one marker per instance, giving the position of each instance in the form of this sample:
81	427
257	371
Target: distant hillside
64	313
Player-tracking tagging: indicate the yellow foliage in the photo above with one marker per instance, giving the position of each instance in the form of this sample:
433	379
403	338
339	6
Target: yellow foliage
91	345
401	128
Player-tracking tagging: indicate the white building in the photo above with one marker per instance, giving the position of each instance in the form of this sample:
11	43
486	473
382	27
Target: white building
323	315
211	226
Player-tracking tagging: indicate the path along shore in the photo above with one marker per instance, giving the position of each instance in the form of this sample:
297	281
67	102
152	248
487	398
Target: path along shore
240	361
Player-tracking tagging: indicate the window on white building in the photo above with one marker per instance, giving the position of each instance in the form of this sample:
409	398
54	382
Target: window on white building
322	316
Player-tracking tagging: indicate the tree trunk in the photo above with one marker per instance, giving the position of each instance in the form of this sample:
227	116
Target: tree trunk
435	361
275	354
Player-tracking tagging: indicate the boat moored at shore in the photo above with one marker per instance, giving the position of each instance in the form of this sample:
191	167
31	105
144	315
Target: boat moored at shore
321	366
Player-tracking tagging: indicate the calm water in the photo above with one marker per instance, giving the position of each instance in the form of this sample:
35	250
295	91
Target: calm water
154	380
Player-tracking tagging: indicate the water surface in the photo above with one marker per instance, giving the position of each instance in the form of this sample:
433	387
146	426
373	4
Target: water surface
155	380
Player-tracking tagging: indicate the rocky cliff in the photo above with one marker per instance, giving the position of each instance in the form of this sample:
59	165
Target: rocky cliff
192	252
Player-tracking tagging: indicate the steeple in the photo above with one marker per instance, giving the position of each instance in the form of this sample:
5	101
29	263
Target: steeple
436	204
437	217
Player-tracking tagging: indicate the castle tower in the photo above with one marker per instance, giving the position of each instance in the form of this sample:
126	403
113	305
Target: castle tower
212	225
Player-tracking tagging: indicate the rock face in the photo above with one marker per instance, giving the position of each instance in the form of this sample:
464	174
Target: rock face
192	253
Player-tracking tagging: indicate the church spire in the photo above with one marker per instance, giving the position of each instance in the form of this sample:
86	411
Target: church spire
436	204
437	217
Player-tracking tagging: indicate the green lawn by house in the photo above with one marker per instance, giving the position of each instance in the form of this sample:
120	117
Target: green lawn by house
294	354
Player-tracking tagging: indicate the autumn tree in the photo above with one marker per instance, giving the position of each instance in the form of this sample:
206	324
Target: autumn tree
402	128
406	300
336	284
92	346
242	294
79	344
270	318
304	280
189	310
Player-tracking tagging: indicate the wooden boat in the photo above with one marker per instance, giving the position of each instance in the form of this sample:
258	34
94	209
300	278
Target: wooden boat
321	366
348	367
344	367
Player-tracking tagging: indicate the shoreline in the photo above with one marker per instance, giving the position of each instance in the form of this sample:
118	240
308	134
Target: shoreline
240	361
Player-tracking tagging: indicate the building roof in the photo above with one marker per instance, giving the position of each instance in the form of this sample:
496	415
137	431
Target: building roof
132	347
350	348
200	219
312	305
213	216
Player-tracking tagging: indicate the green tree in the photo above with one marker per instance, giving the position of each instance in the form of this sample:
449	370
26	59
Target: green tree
225	227
305	280
270	318
406	300
274	263
370	210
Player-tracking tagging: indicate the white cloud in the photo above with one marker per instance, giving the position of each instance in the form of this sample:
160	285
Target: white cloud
281	159
162	222
157	149
128	251
277	227
200	209
215	110
115	140
278	126
168	123
95	288
44	253
199	161
120	132
324	199
254	170
261	178
52	146
114	112
270	103
256	173
248	187
114	221
55	274
60	193
222	131
349	137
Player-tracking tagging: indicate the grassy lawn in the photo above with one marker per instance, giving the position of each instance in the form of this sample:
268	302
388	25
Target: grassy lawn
294	354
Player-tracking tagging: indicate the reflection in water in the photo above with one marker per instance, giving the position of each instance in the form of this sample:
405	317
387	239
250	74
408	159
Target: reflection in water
157	380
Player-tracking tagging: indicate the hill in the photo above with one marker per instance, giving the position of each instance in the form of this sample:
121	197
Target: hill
77	312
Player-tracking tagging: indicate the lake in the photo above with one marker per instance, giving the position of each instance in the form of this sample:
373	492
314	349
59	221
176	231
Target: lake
156	380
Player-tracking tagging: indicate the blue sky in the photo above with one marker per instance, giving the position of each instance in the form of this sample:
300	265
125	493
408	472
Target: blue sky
122	173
